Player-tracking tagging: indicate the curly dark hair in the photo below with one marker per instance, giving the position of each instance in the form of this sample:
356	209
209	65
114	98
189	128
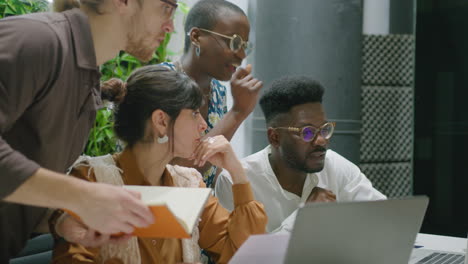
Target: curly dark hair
288	92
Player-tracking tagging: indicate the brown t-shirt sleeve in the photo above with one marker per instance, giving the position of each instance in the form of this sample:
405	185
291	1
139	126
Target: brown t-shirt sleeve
28	66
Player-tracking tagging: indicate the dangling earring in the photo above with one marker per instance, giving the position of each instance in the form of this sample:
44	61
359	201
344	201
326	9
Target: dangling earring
197	49
162	140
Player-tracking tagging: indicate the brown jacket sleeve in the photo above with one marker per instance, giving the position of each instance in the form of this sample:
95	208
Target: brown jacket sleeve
28	62
221	232
68	253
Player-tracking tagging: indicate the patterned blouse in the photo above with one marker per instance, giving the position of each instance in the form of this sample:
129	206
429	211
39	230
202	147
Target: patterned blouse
216	109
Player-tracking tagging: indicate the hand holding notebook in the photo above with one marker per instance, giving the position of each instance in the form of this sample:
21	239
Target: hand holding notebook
175	209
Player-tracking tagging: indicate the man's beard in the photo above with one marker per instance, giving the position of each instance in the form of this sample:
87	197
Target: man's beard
292	161
138	44
138	49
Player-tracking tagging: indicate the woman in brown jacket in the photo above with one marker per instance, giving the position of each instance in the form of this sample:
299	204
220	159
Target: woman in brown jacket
159	119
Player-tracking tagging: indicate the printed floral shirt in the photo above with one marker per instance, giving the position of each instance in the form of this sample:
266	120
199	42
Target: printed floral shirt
216	109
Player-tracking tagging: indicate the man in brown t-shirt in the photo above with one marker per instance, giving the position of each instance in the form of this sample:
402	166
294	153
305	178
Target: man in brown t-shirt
49	93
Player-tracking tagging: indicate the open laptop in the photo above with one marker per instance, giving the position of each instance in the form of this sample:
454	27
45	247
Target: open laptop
356	232
427	256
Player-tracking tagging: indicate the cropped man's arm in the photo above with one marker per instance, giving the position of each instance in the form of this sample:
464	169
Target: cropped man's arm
28	68
45	188
354	185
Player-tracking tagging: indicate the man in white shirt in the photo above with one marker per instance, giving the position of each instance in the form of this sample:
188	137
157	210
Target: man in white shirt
296	167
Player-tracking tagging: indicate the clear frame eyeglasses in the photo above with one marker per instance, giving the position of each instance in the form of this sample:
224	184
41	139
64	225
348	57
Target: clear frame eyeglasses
310	133
236	43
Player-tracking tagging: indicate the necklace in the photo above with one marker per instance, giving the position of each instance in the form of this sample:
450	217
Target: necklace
180	68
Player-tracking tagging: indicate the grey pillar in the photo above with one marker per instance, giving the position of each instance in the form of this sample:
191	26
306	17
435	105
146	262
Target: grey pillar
318	38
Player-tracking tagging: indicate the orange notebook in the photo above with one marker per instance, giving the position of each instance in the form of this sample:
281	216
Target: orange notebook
176	210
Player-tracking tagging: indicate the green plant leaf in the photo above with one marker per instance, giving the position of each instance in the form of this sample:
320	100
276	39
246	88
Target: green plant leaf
109	133
183	7
126	57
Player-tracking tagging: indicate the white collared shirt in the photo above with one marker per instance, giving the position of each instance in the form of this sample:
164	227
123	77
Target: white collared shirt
339	175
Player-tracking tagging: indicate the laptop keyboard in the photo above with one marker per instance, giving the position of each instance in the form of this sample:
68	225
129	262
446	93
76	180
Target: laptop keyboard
442	258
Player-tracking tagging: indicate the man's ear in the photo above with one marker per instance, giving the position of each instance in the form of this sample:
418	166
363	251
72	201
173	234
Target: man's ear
273	137
159	123
123	6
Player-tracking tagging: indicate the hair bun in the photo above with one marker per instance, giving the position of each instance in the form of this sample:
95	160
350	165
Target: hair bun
113	90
